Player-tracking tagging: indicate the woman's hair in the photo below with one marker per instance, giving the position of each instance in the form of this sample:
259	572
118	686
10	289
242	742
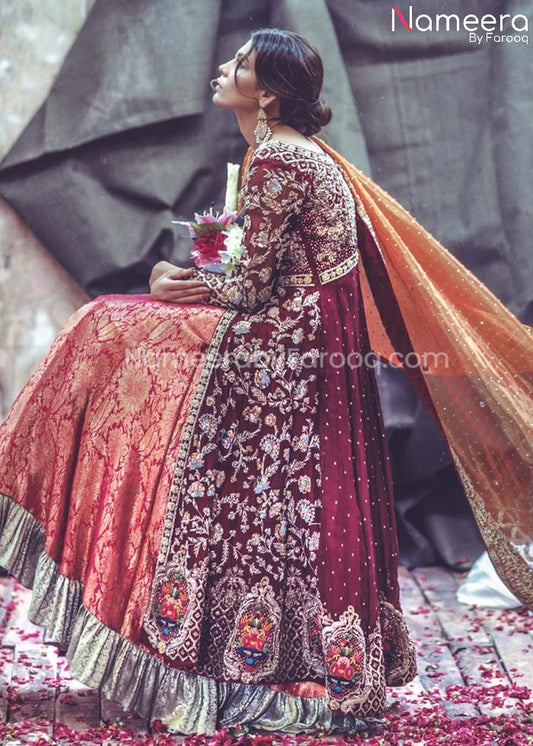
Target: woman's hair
288	66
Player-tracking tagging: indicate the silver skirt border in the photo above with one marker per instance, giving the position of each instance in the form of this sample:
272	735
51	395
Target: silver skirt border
102	658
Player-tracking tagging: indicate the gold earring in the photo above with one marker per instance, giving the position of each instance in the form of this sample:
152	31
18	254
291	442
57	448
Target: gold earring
262	131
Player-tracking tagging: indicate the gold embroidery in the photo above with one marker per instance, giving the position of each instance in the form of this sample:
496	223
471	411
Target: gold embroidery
341	269
508	555
296	280
400	653
188	430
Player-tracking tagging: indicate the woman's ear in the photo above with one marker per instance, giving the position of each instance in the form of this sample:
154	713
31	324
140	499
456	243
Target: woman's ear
266	98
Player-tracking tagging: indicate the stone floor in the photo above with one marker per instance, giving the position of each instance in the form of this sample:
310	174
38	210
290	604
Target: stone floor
475	668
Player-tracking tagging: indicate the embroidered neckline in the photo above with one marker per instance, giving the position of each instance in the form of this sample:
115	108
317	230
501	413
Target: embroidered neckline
292	146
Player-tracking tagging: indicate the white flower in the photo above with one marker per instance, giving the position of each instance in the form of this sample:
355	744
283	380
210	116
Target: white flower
233	241
234	248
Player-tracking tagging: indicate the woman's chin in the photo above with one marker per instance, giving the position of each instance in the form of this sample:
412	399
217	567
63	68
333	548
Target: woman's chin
218	100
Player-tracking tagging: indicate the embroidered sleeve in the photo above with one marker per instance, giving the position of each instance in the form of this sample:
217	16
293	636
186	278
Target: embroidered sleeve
274	194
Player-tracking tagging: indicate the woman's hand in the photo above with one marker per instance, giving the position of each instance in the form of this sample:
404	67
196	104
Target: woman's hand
169	282
159	269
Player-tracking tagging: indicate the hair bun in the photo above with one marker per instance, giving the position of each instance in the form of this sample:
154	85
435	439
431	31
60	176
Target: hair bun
312	117
321	113
308	118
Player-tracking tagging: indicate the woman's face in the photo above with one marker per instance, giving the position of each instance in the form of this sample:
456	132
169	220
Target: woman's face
237	86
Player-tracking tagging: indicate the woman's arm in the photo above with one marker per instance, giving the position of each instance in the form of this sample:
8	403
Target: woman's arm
275	194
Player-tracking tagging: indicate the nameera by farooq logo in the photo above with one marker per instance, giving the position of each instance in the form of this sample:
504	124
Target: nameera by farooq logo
471	23
401	17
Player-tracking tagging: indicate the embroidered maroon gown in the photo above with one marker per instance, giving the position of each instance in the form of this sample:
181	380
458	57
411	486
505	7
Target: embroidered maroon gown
200	494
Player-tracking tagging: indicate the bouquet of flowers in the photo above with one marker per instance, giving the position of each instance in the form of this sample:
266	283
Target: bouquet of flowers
217	237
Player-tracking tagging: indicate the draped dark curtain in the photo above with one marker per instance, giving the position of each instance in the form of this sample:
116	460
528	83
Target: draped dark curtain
128	139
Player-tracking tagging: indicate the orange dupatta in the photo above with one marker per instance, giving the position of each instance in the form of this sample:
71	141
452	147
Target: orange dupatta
475	366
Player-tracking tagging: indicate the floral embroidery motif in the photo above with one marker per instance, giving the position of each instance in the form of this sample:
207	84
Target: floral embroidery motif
252	651
345	654
254	636
345	666
339	270
170	604
175	613
355	668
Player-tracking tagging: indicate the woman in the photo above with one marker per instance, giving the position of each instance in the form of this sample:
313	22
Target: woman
196	482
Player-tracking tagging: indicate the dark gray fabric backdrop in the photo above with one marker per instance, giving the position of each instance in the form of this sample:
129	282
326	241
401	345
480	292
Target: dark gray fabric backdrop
128	139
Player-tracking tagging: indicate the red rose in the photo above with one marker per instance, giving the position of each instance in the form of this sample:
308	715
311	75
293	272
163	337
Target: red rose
207	246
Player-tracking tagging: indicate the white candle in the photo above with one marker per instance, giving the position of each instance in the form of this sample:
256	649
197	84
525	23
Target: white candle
232	186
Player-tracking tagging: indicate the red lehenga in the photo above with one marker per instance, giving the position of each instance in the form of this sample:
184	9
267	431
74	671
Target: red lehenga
200	494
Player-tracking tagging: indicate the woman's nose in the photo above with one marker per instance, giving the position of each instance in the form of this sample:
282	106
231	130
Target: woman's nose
222	68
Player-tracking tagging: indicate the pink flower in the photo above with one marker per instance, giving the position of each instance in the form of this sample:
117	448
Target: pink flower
228	216
205	218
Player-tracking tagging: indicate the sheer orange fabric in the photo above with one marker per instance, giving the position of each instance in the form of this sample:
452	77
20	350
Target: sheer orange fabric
467	356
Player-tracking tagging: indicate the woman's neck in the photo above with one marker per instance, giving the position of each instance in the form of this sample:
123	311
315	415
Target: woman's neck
247	122
282	132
